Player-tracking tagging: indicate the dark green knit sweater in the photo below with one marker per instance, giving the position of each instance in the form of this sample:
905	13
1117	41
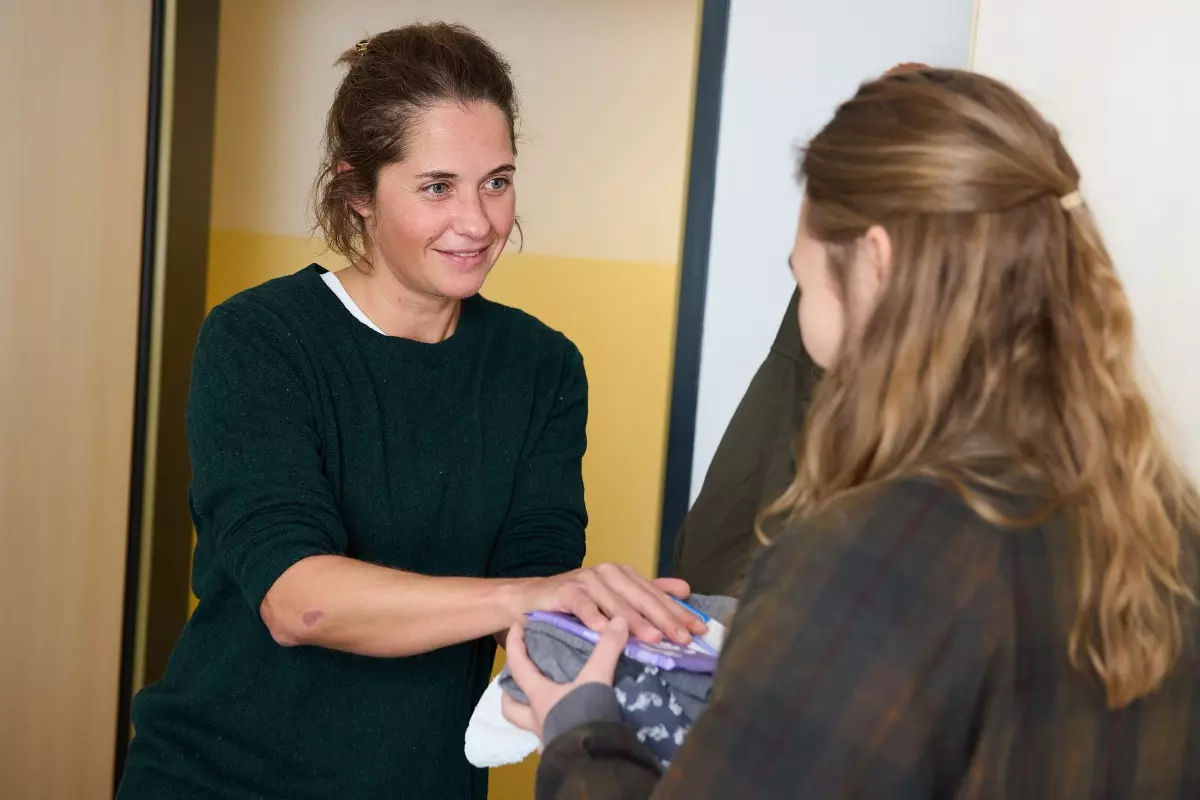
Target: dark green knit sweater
309	434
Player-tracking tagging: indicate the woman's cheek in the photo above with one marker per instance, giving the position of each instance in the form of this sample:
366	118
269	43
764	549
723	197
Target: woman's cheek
820	329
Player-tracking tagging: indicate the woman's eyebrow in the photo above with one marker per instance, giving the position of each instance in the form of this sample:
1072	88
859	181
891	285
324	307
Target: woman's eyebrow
445	175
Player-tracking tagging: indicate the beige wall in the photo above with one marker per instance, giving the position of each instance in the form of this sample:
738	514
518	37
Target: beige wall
73	83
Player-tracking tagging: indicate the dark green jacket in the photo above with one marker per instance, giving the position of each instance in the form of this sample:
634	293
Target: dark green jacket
752	466
909	651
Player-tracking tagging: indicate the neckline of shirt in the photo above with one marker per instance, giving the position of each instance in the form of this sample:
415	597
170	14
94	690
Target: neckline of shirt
342	306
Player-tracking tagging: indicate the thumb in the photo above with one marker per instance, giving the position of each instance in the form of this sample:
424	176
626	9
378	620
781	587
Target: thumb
601	667
518	713
523	670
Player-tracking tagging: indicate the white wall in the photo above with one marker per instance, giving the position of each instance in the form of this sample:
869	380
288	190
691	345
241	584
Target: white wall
584	69
788	64
1119	80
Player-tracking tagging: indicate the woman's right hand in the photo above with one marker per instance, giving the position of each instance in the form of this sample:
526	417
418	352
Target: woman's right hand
597	594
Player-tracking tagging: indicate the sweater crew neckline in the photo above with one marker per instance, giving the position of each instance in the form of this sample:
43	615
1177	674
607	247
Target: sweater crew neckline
464	332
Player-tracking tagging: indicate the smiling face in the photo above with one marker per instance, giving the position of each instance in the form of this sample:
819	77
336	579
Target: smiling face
442	216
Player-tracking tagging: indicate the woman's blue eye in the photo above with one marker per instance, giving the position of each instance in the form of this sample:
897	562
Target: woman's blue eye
497	184
438	188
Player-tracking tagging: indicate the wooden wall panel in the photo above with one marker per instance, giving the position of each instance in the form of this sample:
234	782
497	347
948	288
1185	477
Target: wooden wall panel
73	104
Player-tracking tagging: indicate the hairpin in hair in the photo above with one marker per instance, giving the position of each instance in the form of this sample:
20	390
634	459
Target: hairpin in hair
361	45
1071	200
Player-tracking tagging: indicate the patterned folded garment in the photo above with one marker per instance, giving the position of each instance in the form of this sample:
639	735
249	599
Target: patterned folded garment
660	705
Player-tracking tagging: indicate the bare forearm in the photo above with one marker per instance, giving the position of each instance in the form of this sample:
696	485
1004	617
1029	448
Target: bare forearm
343	604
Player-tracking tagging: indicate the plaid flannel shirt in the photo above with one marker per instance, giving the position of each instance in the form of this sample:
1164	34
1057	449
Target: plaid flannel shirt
915	652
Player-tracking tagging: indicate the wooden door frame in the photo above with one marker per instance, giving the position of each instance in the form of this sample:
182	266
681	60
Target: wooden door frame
181	107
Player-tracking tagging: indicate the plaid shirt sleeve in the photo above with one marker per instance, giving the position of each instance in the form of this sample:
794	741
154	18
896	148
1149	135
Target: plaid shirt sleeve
854	669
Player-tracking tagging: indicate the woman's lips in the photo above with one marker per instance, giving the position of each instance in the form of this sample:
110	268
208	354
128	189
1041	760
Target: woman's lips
465	258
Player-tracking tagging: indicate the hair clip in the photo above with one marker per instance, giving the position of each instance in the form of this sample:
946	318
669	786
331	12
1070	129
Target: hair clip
1071	200
361	45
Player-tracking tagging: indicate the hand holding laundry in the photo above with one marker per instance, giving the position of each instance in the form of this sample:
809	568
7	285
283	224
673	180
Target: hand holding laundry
543	693
657	701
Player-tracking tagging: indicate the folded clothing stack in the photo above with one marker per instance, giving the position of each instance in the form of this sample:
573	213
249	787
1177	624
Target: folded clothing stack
659	704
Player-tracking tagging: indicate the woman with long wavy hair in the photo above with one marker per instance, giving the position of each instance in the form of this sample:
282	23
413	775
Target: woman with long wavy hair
982	582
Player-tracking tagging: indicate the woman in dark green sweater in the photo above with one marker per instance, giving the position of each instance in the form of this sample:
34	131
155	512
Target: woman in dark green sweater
386	468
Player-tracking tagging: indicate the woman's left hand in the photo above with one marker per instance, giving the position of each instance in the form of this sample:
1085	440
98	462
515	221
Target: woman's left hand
544	693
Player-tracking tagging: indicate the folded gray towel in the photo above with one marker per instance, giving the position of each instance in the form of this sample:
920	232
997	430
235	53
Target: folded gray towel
660	705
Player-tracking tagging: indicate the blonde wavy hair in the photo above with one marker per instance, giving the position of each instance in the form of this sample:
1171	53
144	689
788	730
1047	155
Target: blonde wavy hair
999	357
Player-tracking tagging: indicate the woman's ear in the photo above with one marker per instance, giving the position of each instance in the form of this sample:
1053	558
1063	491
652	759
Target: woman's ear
871	270
361	207
876	249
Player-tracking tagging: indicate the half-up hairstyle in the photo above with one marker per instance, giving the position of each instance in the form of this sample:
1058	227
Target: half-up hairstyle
999	357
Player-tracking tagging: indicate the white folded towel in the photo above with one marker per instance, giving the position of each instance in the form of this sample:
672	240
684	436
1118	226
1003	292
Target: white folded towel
493	741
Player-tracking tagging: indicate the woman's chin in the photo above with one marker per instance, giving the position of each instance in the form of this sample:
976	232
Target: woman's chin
464	284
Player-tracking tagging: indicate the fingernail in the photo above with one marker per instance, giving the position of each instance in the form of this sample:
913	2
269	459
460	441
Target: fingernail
684	635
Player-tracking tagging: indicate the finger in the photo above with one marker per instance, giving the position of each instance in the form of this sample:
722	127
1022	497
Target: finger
615	605
601	667
674	586
576	601
654	604
677	588
651	602
524	671
518	713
